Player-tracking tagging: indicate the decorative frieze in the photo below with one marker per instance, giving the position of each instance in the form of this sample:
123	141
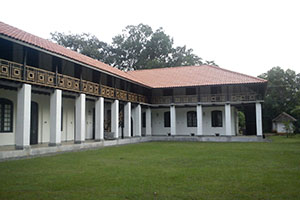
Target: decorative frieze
90	87
244	97
15	71
205	98
68	82
108	92
121	95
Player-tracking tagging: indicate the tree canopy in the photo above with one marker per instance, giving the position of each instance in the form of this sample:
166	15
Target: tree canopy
85	43
137	47
283	94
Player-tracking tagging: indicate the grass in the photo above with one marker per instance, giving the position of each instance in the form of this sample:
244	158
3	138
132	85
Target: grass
160	170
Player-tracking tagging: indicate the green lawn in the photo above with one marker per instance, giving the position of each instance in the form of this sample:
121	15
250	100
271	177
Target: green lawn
160	170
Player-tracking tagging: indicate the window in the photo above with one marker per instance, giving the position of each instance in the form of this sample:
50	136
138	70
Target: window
167	119
6	115
236	89
168	92
62	119
215	90
191	119
190	91
216	118
144	120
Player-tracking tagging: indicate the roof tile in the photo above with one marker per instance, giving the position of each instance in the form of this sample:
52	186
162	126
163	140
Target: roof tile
156	78
191	76
23	36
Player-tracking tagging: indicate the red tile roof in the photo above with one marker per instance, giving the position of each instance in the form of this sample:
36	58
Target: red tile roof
156	78
191	76
23	36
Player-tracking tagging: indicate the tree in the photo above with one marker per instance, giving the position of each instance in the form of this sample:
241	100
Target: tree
282	95
296	113
85	44
242	121
138	47
289	128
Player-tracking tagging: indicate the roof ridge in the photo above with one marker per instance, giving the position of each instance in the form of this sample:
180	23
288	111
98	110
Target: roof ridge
181	77
284	113
212	66
160	68
220	68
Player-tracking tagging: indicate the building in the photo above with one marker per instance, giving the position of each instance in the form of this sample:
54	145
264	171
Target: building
50	94
282	123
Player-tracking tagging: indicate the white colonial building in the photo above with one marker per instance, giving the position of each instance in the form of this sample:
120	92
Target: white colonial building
50	94
283	123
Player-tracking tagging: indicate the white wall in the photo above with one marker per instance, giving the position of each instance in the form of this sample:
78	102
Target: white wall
43	102
280	128
9	138
89	119
68	119
181	121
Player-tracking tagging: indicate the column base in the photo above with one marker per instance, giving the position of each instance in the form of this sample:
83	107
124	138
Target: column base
54	144
99	140
78	142
22	147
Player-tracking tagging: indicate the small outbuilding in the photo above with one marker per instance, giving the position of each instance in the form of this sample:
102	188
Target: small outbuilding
281	122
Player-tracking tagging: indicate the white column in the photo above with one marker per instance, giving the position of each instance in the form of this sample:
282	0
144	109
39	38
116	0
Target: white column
148	122
99	119
228	130
259	131
127	120
138	121
80	119
173	119
23	117
115	118
55	117
199	120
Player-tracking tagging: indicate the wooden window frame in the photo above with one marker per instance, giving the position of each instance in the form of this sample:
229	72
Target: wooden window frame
217	118
191	119
4	102
167	119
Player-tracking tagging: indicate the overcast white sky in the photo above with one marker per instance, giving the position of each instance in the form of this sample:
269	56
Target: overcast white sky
249	36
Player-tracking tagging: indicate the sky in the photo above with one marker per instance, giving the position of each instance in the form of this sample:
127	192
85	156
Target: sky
247	36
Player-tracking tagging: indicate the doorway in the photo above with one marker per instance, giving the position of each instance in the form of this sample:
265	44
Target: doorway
34	123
